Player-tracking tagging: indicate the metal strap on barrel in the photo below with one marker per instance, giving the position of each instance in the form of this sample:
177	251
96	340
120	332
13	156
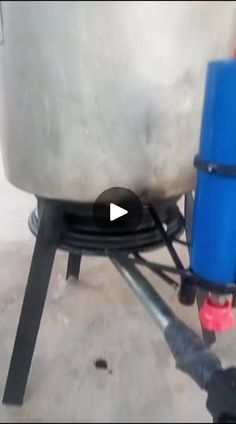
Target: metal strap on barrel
214	168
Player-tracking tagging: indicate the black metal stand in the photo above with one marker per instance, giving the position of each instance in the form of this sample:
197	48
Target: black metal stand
73	267
70	226
35	295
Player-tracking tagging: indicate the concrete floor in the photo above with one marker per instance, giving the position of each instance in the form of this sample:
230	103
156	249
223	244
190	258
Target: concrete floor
97	318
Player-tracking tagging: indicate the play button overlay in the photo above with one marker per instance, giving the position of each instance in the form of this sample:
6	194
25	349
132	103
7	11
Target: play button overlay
118	210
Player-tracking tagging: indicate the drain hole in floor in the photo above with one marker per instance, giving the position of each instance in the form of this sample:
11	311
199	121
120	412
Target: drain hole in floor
101	364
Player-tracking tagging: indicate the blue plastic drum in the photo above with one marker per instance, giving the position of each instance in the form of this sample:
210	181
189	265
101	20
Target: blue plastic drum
213	255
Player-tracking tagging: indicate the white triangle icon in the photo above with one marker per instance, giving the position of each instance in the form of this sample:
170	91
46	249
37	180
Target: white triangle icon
116	212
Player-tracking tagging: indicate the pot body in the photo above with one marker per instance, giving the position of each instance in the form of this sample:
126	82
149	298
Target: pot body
101	94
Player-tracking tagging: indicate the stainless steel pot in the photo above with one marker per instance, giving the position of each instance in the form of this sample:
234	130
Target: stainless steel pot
102	94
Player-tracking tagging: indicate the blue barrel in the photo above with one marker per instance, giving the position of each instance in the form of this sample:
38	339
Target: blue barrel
213	253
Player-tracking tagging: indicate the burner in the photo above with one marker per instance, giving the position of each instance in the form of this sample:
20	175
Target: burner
80	235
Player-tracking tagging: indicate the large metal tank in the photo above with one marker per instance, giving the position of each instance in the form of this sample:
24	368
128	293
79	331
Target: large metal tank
102	94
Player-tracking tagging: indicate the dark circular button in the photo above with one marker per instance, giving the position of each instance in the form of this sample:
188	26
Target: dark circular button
118	210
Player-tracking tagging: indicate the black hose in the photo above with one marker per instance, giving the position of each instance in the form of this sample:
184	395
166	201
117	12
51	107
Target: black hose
191	354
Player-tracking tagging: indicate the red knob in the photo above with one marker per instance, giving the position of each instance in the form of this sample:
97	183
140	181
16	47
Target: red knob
217	317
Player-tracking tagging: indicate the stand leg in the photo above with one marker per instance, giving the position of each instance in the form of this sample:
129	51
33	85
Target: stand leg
234	301
33	304
209	337
73	267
